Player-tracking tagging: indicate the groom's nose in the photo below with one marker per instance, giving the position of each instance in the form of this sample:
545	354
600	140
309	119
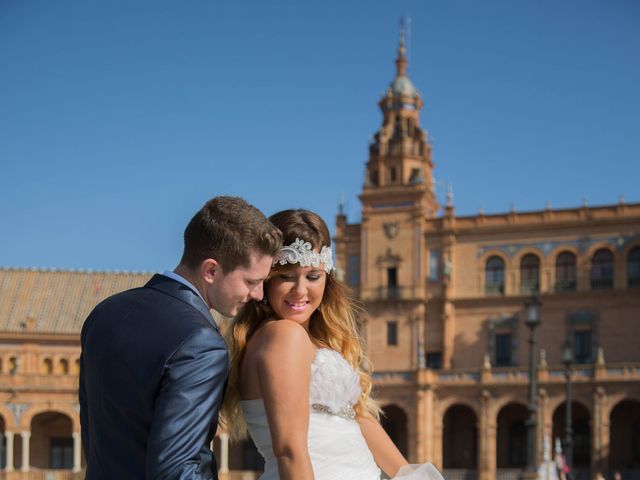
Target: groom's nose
257	293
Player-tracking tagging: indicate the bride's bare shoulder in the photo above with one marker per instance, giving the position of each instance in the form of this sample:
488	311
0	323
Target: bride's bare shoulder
283	334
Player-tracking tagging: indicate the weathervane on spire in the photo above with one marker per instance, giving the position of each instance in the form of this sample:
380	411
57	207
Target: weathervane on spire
401	61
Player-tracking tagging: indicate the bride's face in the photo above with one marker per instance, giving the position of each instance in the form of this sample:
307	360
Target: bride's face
296	292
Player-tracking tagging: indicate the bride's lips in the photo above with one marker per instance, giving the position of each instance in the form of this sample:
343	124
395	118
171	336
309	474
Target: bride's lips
297	306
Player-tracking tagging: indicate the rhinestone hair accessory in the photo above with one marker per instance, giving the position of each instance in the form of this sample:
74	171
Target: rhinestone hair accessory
302	252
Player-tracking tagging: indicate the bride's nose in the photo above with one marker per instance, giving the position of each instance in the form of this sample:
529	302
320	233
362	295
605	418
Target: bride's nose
300	287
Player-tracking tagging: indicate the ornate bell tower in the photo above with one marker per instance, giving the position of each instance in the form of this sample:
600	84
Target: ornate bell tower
400	155
397	198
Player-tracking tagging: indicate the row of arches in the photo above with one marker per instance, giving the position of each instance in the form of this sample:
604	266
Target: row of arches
51	443
47	365
601	268
460	449
48	444
60	366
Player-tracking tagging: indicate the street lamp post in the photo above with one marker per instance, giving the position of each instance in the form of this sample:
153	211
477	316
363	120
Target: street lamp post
532	320
567	360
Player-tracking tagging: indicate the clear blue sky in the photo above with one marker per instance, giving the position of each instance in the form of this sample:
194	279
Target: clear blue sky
120	118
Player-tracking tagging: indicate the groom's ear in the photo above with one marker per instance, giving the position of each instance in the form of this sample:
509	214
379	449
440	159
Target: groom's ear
210	270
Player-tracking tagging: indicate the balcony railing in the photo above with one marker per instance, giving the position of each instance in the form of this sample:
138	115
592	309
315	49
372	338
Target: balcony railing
513	375
508	473
566	285
392	293
459	474
634	281
20	381
601	283
42	475
494	289
528	287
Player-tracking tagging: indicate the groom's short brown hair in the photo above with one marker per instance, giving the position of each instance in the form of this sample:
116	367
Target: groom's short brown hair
228	229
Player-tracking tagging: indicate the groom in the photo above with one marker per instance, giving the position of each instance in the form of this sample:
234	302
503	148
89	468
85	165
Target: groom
154	366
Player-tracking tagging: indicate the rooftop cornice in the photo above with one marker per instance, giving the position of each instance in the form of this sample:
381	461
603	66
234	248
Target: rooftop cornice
86	271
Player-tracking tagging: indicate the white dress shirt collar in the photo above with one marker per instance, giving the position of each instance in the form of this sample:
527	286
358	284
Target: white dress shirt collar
184	281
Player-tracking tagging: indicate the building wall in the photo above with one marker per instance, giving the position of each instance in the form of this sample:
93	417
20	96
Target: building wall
456	317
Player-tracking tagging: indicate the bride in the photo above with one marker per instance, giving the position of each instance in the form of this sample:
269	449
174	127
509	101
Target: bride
299	383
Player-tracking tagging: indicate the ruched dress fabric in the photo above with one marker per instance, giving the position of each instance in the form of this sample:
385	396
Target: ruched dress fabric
337	448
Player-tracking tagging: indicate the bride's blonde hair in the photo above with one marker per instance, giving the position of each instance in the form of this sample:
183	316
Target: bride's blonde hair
334	324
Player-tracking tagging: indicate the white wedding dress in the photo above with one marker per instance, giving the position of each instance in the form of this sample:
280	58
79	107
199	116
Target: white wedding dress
337	448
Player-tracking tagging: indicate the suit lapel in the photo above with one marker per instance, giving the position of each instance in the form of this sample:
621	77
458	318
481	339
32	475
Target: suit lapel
181	292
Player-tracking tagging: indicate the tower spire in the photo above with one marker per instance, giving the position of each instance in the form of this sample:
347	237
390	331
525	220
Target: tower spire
401	60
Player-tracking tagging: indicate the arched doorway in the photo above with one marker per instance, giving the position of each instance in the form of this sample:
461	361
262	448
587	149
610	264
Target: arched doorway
51	444
624	438
394	421
512	437
581	438
459	442
244	456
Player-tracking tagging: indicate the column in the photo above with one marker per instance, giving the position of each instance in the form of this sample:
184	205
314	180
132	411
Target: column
542	401
600	429
429	436
417	445
436	447
9	466
77	445
486	439
449	333
224	453
545	446
26	436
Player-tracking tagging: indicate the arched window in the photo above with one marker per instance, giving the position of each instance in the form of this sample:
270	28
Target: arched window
529	273
13	365
48	366
494	276
64	366
633	268
602	269
565	272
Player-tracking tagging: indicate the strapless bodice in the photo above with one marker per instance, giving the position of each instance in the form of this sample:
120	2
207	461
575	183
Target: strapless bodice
334	439
335	385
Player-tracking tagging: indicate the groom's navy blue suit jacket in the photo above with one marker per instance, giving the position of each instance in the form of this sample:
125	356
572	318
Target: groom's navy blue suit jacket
152	375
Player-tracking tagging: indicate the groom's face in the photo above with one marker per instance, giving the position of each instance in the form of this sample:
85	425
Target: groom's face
231	290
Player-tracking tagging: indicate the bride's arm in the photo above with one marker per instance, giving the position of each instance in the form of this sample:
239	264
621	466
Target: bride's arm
384	451
284	373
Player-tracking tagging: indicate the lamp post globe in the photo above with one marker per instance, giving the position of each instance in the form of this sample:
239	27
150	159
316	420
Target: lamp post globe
532	311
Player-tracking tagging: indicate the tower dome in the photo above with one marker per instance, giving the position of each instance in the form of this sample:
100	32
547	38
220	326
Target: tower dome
402	84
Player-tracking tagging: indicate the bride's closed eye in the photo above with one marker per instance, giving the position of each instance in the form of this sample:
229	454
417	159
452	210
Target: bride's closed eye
286	277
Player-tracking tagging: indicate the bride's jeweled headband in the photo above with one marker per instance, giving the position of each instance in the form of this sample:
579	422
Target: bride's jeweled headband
301	252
